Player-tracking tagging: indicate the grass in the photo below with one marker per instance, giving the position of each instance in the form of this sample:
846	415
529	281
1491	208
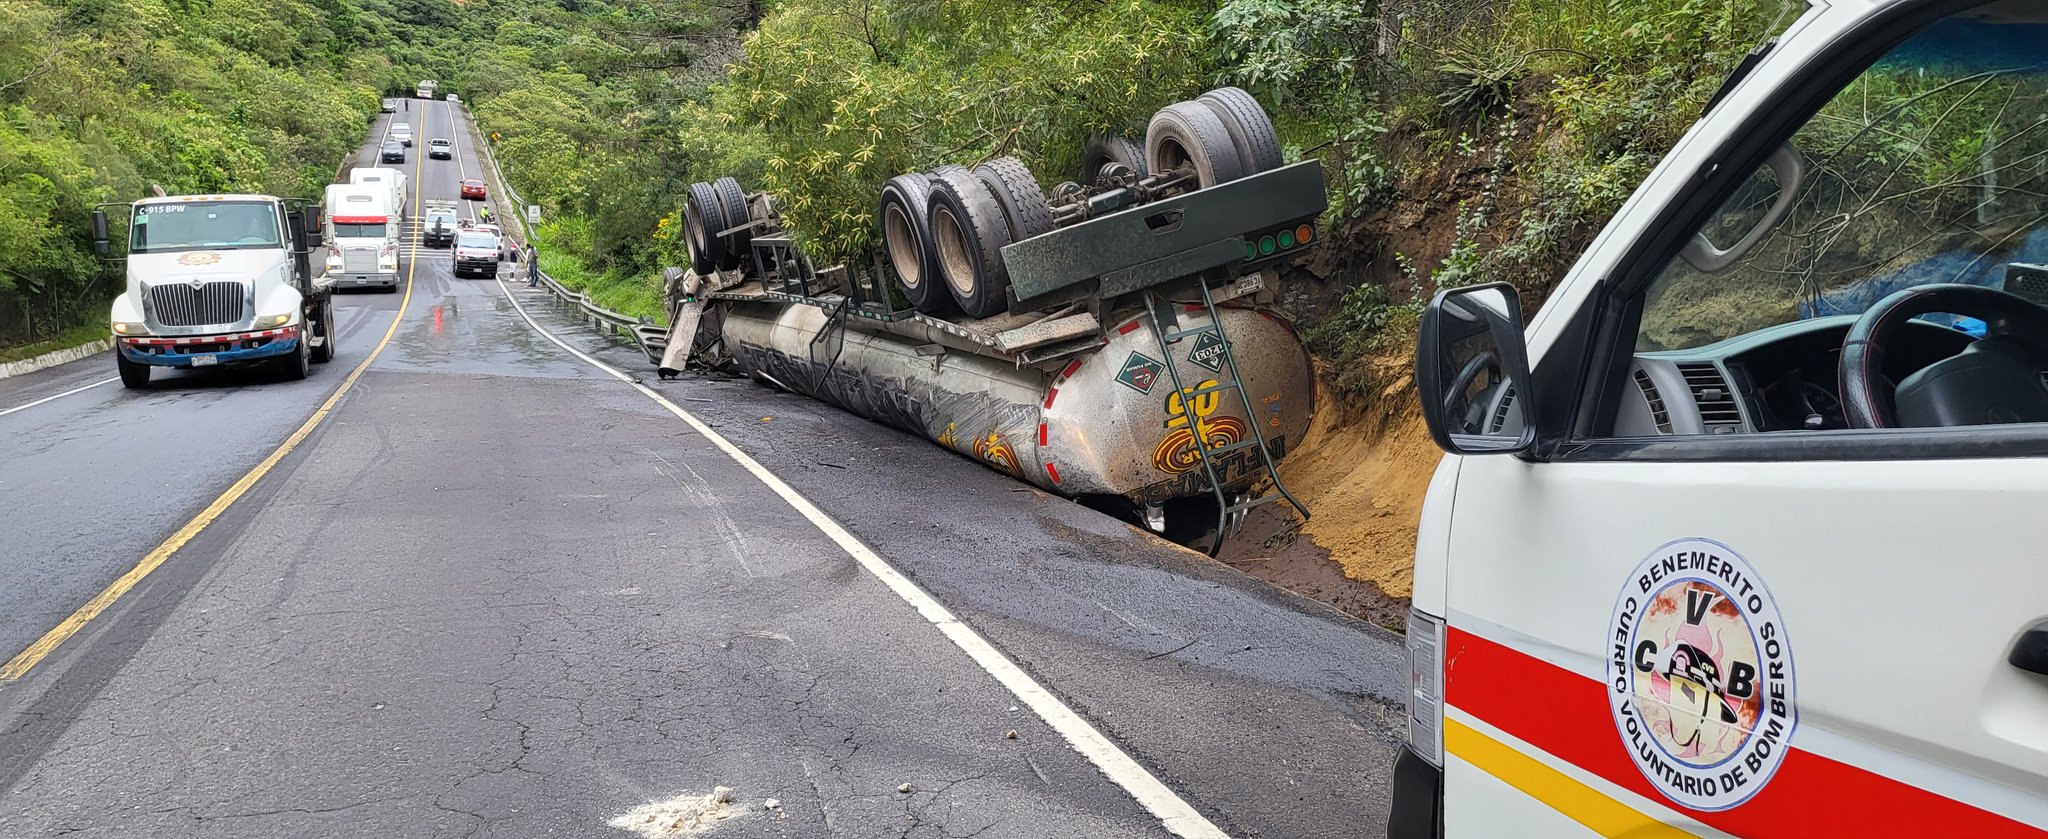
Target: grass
620	292
75	336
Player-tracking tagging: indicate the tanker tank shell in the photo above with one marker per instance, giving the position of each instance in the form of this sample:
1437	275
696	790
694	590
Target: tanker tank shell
1107	422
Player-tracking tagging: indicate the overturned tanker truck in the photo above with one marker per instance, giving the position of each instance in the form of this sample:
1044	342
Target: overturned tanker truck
1115	342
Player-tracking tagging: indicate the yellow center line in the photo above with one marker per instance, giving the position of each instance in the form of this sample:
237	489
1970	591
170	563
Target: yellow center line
28	658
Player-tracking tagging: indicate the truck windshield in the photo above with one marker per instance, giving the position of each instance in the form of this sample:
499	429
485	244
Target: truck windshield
359	230
1930	167
209	225
481	241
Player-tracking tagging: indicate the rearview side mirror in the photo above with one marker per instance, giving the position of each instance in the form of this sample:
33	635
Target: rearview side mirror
100	243
1472	371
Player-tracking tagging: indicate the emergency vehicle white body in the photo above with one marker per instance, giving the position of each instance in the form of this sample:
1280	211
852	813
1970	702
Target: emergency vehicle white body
1651	597
361	233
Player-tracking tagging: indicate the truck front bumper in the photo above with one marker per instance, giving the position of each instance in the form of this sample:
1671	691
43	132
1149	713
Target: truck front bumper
364	280
208	350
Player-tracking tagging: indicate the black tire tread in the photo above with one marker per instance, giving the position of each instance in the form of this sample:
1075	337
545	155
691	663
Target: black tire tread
1103	149
1024	204
976	206
705	250
1196	128
914	192
733	201
1251	130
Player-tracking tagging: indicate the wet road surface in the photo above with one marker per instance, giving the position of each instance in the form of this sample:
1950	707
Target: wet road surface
501	593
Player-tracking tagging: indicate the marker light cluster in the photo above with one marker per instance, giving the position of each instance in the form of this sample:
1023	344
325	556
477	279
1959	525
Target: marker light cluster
1284	240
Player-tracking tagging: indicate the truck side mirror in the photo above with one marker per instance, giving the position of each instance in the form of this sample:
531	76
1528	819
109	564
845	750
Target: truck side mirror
309	226
1472	371
100	244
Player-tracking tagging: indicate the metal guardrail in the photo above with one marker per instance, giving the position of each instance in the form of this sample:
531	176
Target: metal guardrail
644	331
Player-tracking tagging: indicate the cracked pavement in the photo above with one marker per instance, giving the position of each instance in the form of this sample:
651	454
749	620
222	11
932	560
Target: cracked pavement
501	594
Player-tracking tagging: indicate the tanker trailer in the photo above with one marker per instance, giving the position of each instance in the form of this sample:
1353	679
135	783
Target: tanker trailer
1137	356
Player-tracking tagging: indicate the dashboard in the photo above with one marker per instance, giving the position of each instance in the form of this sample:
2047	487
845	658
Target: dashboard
1782	378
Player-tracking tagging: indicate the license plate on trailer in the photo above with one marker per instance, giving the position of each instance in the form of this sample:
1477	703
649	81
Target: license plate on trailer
205	360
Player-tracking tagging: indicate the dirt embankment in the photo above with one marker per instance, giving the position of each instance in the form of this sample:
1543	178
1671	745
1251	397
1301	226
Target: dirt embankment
1363	476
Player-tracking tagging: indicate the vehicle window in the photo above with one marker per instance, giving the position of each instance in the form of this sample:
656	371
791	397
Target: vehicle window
1930	167
354	230
213	225
478	240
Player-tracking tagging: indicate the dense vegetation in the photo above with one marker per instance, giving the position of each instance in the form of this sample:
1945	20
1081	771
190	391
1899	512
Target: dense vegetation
1519	123
101	98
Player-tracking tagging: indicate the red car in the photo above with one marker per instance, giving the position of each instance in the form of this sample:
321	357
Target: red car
473	189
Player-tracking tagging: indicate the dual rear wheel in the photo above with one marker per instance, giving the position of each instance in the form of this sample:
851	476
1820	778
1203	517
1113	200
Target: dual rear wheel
948	226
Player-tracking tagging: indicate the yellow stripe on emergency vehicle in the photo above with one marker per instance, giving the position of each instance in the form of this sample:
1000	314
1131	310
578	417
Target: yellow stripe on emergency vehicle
1561	792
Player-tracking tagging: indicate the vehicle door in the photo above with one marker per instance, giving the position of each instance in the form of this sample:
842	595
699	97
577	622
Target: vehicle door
1765	559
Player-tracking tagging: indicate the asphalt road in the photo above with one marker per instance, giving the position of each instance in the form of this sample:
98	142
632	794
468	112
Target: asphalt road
501	593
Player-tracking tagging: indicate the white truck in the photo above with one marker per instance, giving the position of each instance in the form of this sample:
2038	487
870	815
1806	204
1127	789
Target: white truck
1738	536
361	234
392	180
215	280
426	89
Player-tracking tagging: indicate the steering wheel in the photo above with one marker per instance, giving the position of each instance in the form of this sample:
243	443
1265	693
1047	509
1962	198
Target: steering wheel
1457	402
1997	379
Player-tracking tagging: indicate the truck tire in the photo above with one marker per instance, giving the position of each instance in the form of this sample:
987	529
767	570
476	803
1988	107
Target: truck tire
1104	149
1024	204
325	352
907	237
1251	130
134	375
733	200
969	231
1189	134
299	364
947	169
701	212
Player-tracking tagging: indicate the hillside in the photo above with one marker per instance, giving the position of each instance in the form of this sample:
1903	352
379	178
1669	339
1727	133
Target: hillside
1465	139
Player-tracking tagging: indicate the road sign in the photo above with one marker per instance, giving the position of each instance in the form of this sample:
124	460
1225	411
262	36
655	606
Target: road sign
533	214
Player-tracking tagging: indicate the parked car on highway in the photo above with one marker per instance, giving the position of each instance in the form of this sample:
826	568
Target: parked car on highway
473	189
453	98
391	153
476	253
441	148
390	106
440	224
401	132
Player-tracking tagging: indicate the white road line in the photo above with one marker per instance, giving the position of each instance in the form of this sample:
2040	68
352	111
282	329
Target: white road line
58	396
1175	814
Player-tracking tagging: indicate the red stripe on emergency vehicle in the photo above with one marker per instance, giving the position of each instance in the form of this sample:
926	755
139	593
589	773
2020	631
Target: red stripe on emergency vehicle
360	219
1566	714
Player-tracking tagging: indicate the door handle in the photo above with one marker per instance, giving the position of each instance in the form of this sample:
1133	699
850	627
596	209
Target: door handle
2030	653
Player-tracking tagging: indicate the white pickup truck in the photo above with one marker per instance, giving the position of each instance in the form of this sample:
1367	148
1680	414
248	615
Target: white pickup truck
215	280
1739	536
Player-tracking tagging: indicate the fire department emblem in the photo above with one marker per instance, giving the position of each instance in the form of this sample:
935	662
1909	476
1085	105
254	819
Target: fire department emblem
199	258
1699	675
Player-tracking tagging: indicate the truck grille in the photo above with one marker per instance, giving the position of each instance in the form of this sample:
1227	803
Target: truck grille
182	304
359	260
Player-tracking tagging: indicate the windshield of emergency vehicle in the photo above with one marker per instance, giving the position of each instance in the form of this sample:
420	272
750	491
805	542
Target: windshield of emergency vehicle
203	225
1930	167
